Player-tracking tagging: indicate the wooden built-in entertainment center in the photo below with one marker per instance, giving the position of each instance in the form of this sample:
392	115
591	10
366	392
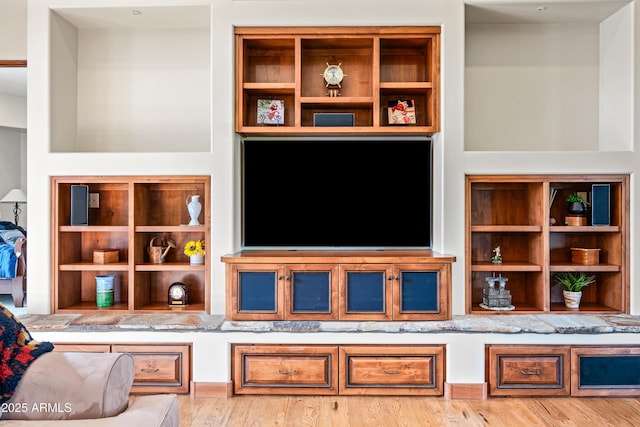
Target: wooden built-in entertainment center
382	65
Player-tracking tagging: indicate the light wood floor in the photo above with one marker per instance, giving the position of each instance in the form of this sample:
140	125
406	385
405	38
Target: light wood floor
355	411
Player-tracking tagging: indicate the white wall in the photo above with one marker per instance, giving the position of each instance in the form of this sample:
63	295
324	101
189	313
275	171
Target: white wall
13	109
526	91
452	162
12	170
157	92
13	145
13	34
616	77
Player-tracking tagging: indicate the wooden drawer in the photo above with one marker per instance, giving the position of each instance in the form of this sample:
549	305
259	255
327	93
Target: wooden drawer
159	368
605	371
378	370
528	370
264	369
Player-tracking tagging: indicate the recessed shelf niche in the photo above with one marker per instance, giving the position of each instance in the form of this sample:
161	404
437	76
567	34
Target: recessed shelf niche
130	79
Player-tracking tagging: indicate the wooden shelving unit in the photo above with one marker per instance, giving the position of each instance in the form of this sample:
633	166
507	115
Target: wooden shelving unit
131	212
515	213
381	64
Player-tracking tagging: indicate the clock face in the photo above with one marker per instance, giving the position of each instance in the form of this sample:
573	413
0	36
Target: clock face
176	292
333	74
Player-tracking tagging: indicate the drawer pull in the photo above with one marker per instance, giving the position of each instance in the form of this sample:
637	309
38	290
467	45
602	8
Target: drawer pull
530	372
281	372
149	371
390	372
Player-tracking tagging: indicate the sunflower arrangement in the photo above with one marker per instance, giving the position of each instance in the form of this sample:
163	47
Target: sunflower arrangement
194	247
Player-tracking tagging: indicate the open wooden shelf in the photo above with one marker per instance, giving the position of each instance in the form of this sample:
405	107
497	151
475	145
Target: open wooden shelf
132	211
381	64
514	212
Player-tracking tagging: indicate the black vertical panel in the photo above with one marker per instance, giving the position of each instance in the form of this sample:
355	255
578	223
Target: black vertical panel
79	205
600	204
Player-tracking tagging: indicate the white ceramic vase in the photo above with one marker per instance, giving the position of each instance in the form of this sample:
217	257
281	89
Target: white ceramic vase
194	208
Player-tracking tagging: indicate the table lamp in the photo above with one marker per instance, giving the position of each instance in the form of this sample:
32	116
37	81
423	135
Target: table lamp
16	196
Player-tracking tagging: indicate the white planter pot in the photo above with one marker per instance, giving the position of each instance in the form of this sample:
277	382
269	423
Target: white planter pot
196	259
572	299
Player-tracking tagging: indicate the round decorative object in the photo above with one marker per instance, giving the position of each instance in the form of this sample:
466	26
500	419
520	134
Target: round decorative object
178	294
333	75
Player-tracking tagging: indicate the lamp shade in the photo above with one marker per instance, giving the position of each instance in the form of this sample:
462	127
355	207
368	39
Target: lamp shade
15	196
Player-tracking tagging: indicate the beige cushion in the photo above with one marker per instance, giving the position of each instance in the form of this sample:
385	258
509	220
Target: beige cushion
145	411
66	386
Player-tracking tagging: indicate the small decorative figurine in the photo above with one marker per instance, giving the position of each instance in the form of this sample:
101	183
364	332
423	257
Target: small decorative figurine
496	299
497	256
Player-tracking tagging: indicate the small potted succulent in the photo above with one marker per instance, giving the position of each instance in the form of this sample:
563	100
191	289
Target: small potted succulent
575	204
573	284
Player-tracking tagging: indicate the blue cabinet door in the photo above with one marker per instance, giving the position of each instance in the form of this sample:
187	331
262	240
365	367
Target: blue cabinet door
256	292
421	292
312	292
366	291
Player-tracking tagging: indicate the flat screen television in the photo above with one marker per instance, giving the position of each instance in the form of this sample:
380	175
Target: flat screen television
373	193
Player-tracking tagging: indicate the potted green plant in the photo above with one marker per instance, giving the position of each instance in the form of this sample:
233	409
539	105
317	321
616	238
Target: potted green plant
573	284
576	205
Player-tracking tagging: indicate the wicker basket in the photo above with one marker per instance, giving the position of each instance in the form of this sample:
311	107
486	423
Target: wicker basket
585	256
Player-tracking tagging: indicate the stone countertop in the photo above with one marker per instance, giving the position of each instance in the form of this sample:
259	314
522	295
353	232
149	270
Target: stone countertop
503	324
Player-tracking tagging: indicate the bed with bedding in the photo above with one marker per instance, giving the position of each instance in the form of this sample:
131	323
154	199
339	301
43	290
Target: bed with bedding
13	262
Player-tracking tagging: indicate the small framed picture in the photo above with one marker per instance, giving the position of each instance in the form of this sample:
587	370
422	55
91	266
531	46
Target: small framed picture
402	112
270	111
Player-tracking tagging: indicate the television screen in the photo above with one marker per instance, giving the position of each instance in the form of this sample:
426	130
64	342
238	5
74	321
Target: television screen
338	194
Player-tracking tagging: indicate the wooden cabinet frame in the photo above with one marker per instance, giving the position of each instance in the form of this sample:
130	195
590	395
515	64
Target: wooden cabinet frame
132	211
159	368
386	312
562	370
442	273
392	264
606	388
331	272
234	292
276	369
382	65
521	370
330	369
397	369
515	212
